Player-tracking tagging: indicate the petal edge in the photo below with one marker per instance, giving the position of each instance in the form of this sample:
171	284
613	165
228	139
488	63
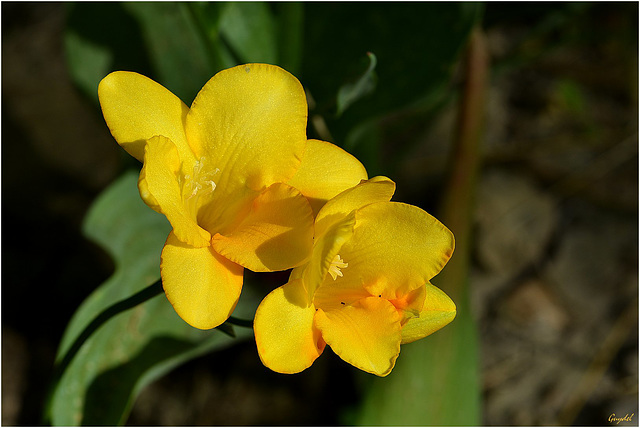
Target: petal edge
286	337
366	335
202	286
277	233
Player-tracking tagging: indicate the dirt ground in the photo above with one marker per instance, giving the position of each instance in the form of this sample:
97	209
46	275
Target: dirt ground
555	260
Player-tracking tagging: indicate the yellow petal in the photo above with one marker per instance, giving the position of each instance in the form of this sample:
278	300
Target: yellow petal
286	338
136	108
395	248
326	170
366	335
438	311
160	189
250	122
276	234
325	249
202	286
377	189
408	304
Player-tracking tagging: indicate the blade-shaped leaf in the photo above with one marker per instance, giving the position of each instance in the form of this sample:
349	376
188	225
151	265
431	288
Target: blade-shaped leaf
88	62
134	347
289	17
179	52
434	382
417	46
249	28
99	38
349	93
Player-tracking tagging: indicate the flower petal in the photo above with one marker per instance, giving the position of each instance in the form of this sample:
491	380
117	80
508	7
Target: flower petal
438	311
326	170
377	189
325	249
395	248
250	122
408	304
276	234
202	286
160	189
286	338
366	335
136	108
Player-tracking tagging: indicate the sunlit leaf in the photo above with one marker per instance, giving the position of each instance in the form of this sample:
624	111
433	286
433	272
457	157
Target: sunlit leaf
179	53
100	38
249	28
88	62
435	382
135	347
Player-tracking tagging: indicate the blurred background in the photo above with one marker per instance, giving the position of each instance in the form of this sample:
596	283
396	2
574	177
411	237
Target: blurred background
553	276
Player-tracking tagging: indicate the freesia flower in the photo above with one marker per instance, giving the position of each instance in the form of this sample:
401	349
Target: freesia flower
234	175
365	290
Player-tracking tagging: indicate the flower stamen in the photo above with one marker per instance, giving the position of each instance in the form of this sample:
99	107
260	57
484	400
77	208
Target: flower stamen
336	264
199	183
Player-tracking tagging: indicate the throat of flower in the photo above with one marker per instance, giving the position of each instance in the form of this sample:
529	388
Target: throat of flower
409	304
336	265
198	184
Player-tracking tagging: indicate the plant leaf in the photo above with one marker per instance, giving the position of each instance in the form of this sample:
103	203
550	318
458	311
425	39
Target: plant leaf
417	46
349	93
435	382
249	28
135	347
99	38
176	46
290	25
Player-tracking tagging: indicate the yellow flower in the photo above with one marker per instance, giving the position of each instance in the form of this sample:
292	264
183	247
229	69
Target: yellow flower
365	290
229	174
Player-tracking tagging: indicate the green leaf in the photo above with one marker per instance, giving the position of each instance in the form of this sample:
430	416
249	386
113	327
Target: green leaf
88	62
249	28
180	53
435	382
100	38
207	16
290	26
417	46
137	346
351	92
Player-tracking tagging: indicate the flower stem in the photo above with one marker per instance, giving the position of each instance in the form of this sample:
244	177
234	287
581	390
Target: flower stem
240	322
457	206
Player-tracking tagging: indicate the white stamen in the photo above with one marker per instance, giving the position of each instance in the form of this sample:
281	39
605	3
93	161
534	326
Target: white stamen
199	184
336	264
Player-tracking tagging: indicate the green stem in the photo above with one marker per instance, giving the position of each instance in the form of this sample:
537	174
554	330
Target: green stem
240	322
457	206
